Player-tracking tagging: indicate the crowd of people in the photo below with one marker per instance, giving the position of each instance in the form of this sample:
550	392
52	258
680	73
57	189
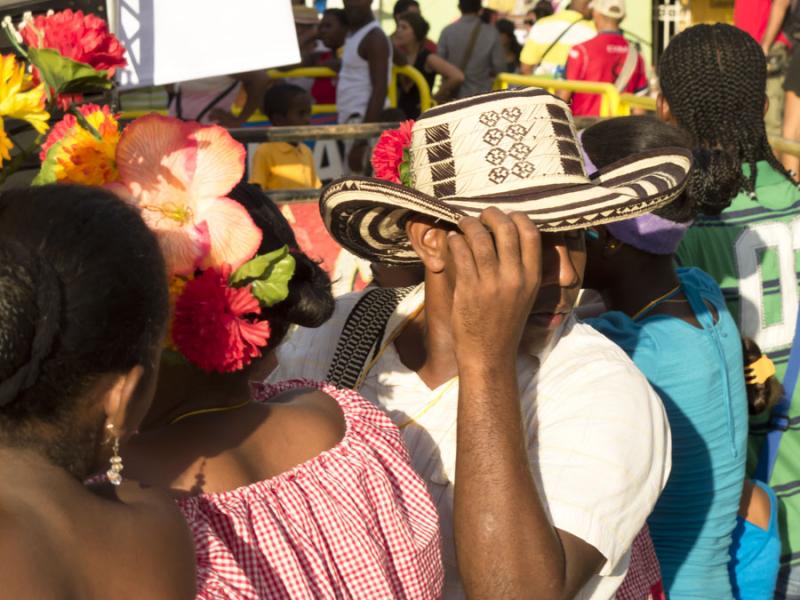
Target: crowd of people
573	377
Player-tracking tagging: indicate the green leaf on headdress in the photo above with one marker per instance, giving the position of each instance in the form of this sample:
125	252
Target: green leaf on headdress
47	172
270	275
404	170
66	76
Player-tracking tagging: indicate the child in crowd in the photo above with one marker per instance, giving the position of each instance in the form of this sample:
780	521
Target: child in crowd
80	341
677	329
285	165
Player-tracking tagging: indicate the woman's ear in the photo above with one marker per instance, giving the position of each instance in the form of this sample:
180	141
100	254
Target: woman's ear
124	403
663	110
429	242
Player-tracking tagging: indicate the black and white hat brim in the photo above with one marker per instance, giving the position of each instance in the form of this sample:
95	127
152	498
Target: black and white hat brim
368	216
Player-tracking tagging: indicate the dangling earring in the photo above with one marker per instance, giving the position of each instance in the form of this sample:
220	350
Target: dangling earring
113	473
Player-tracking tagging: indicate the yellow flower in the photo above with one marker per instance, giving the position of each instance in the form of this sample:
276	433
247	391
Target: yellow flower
19	98
5	144
77	155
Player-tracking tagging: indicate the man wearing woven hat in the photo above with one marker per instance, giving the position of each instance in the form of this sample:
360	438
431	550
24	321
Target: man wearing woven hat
541	444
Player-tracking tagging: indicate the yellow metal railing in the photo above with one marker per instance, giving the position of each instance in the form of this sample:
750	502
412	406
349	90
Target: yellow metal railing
609	96
317	72
629	101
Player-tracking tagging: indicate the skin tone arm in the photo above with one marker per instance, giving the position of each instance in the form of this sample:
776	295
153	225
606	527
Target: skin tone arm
375	50
777	14
255	84
565	95
452	76
505	544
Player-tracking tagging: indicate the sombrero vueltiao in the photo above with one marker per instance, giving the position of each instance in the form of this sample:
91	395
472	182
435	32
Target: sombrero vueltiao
516	150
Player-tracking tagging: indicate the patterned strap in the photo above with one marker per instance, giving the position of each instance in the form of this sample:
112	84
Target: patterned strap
362	334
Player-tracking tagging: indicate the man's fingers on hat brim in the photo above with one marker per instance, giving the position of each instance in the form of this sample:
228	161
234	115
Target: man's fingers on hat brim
530	242
480	242
506	236
462	258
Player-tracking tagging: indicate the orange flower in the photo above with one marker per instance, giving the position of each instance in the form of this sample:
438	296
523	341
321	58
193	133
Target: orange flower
71	153
179	174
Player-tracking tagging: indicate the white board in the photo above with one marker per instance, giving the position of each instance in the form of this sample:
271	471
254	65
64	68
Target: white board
178	40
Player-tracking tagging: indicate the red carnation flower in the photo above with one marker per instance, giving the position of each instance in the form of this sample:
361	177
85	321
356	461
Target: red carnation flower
211	328
83	38
388	155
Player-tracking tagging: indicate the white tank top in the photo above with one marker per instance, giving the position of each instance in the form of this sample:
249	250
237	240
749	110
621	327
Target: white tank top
354	87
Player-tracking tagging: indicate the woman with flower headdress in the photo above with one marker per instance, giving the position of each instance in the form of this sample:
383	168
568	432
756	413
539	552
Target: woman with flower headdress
79	348
292	490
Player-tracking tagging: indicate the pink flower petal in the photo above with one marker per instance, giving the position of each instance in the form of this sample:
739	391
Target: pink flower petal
155	154
235	238
180	250
220	161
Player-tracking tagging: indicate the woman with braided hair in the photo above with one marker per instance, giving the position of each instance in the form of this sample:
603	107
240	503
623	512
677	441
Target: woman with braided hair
713	82
83	308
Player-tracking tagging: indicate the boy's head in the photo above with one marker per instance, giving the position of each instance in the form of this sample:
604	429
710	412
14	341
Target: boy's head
286	104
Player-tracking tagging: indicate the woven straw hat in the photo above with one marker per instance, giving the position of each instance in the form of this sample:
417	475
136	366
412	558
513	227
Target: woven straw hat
516	150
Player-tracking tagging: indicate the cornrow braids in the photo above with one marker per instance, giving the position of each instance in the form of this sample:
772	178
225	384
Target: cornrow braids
714	78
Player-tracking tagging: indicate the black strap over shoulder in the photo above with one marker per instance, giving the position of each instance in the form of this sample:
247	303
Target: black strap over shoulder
363	333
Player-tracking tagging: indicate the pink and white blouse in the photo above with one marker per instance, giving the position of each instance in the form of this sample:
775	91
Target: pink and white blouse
353	522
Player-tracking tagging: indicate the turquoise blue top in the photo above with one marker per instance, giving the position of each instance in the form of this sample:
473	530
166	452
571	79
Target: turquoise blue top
755	555
698	373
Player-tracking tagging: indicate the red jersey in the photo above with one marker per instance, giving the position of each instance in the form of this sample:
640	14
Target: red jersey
602	59
752	16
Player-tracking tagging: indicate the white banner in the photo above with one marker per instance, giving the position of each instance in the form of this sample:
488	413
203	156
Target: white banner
179	40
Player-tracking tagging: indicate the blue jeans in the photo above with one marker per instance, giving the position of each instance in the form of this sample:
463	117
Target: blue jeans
788	587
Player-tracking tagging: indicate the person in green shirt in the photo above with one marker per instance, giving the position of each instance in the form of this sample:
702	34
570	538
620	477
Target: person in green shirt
713	82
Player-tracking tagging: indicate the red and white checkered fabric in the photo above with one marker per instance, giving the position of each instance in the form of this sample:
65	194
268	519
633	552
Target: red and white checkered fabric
643	579
354	522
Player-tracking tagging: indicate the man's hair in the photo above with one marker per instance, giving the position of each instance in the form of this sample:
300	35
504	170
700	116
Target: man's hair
713	181
469	6
714	79
543	8
83	293
339	14
402	6
310	302
418	24
278	99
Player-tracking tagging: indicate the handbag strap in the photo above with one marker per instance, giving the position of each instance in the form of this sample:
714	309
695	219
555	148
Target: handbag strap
779	418
473	38
363	333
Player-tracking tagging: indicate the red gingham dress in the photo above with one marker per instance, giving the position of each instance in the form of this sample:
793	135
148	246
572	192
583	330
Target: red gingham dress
353	522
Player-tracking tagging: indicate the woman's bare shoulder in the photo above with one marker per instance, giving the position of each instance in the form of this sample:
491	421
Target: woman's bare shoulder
310	420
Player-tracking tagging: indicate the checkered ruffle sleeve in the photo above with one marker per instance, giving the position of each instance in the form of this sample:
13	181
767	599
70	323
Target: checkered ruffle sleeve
353	522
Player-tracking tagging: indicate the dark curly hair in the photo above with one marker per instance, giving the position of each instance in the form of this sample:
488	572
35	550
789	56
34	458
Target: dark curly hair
82	294
714	79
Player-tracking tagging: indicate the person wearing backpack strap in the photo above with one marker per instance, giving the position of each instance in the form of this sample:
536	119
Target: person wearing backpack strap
551	38
609	57
474	47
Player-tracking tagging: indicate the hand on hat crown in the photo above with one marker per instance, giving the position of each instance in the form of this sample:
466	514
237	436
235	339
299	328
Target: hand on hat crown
498	265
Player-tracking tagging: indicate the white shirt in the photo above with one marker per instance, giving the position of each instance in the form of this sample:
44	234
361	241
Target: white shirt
354	86
598	437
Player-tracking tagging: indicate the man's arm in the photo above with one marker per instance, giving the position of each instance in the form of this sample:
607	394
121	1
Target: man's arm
498	58
777	15
255	84
505	543
374	48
